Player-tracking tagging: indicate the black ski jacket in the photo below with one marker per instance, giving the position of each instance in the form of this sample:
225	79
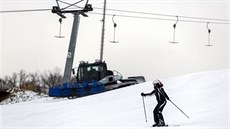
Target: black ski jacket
160	94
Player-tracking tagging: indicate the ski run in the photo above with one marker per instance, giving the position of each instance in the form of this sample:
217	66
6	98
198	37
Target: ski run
202	96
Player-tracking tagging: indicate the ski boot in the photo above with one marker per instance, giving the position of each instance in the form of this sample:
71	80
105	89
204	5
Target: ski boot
154	125
161	123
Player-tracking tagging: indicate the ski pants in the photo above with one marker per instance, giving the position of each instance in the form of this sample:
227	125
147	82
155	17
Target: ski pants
157	113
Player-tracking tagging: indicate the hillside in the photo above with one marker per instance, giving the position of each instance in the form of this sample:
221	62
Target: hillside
202	96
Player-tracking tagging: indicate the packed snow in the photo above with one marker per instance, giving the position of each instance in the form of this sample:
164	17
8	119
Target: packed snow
19	96
202	96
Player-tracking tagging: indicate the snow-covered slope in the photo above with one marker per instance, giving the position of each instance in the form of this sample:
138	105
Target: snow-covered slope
202	96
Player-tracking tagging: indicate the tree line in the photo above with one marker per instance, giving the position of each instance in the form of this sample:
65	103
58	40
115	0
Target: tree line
34	81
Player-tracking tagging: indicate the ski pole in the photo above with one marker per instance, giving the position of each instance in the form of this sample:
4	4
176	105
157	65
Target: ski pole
144	109
179	108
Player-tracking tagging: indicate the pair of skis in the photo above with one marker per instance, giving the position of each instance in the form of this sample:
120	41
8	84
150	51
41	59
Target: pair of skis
167	125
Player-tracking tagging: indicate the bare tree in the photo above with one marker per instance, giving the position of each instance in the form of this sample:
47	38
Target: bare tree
38	82
32	82
51	77
22	77
34	78
11	80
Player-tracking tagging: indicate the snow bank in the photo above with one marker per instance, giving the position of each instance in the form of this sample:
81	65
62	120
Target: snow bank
22	96
202	96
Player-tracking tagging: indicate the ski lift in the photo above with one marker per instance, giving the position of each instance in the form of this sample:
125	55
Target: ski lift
73	38
209	32
59	36
114	31
174	32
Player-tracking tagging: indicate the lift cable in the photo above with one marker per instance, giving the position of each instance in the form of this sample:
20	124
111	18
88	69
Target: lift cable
165	15
165	19
28	10
172	17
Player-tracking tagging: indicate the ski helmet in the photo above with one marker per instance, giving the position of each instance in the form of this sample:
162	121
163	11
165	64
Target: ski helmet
157	83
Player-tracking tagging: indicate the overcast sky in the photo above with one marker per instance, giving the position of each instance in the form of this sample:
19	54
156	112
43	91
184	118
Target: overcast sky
28	42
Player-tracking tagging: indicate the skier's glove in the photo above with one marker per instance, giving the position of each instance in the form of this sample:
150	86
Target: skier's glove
142	94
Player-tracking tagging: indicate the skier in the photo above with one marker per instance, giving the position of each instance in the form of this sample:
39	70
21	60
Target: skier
161	97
